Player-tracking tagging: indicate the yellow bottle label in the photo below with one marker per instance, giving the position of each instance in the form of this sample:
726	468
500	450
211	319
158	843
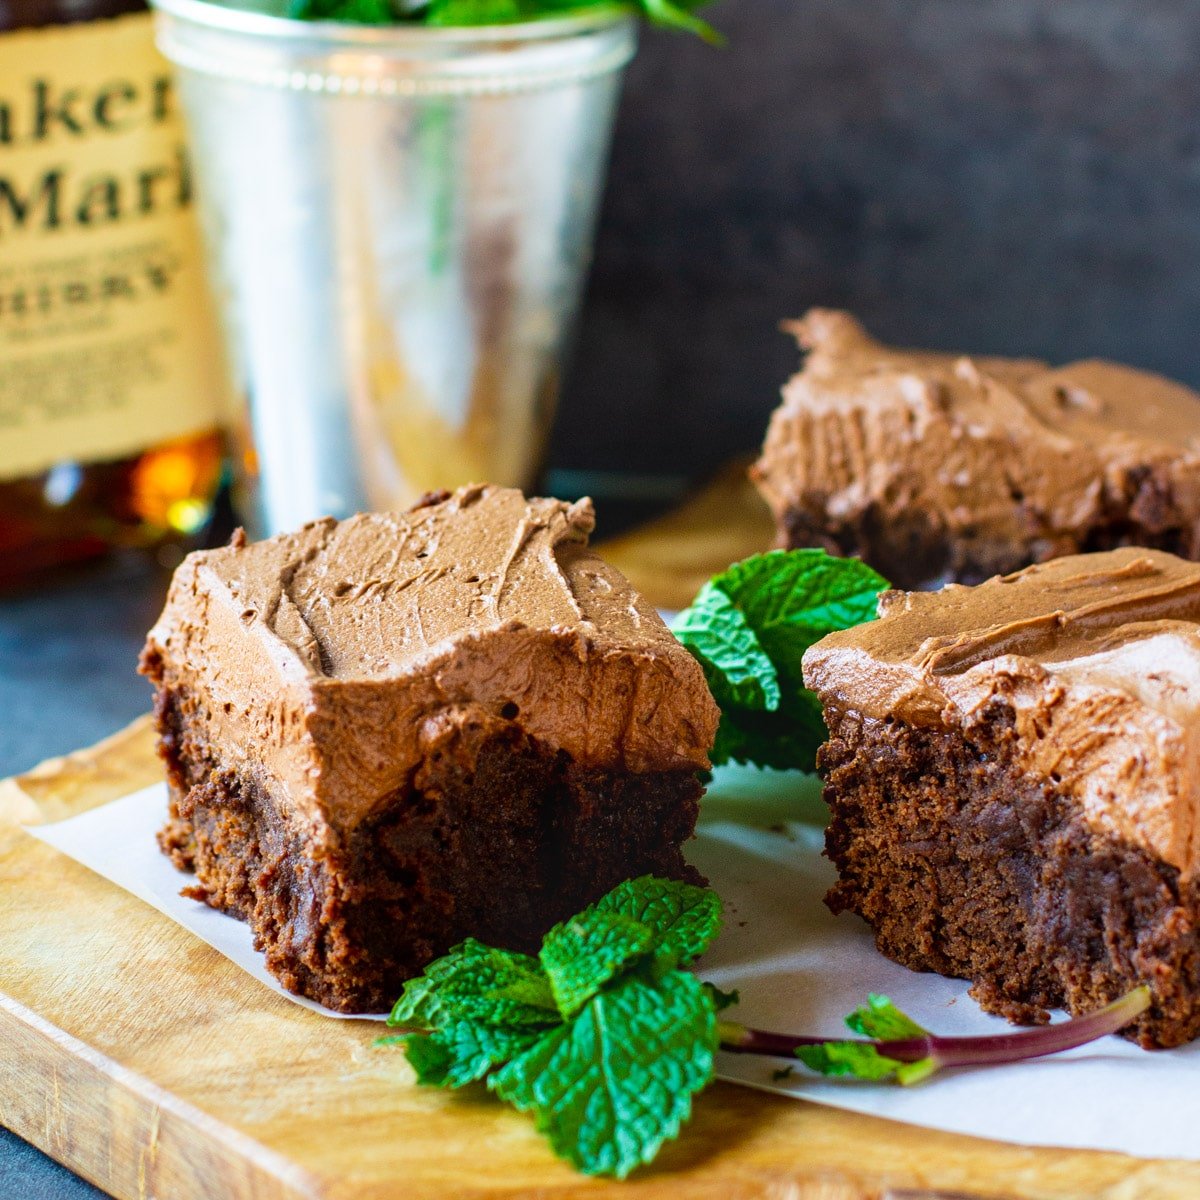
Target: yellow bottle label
108	337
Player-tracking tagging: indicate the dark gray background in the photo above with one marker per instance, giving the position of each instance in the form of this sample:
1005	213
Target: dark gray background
1004	175
1016	176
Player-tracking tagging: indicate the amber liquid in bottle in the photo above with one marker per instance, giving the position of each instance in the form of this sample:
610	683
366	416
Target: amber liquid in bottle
86	157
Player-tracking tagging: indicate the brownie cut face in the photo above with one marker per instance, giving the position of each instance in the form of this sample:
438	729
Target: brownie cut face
1013	776
941	468
386	734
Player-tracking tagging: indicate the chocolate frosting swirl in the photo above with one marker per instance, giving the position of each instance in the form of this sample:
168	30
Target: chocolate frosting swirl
336	659
989	451
1096	656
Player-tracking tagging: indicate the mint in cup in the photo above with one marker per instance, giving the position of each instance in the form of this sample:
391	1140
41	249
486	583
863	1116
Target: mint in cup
669	14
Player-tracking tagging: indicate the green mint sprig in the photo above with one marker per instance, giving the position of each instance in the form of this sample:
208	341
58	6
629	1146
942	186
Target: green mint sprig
605	1039
897	1048
669	14
602	1037
749	628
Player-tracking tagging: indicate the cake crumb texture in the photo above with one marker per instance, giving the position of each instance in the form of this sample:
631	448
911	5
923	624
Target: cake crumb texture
964	865
390	733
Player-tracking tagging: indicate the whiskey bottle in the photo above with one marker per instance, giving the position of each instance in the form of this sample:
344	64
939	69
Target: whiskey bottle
111	378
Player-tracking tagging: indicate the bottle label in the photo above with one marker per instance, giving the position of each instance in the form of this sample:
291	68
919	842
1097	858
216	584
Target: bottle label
108	338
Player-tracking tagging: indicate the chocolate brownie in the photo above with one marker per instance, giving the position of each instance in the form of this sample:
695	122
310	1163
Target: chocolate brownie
1013	775
386	734
937	467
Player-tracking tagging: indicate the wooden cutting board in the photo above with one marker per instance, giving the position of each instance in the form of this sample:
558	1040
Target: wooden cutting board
669	558
142	1059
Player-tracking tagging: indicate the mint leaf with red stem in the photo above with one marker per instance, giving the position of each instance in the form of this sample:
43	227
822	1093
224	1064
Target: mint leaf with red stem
605	1038
900	1049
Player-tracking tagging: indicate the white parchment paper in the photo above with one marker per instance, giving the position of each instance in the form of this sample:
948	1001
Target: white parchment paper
798	970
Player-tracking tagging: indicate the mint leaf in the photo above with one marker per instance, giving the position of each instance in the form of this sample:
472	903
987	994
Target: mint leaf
785	600
722	1000
671	14
357	12
678	16
786	740
609	1087
880	1019
427	1055
793	598
476	1049
474	12
859	1060
740	673
601	1037
672	921
474	982
915	1072
418	1005
683	918
612	1080
581	955
462	1052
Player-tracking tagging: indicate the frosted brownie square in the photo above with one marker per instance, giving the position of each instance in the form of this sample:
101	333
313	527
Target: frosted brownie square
390	733
1013	772
940	467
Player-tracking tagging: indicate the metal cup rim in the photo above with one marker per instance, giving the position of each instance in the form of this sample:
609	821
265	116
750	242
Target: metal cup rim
339	33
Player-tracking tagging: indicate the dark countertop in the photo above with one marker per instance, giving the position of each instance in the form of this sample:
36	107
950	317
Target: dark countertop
68	657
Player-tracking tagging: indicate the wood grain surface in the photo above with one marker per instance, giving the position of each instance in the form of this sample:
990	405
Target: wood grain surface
142	1059
669	558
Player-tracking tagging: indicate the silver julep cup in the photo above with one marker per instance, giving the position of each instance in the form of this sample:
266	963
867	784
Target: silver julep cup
399	221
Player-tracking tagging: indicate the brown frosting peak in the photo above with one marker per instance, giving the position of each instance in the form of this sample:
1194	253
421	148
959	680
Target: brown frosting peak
991	452
338	657
1097	658
365	597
